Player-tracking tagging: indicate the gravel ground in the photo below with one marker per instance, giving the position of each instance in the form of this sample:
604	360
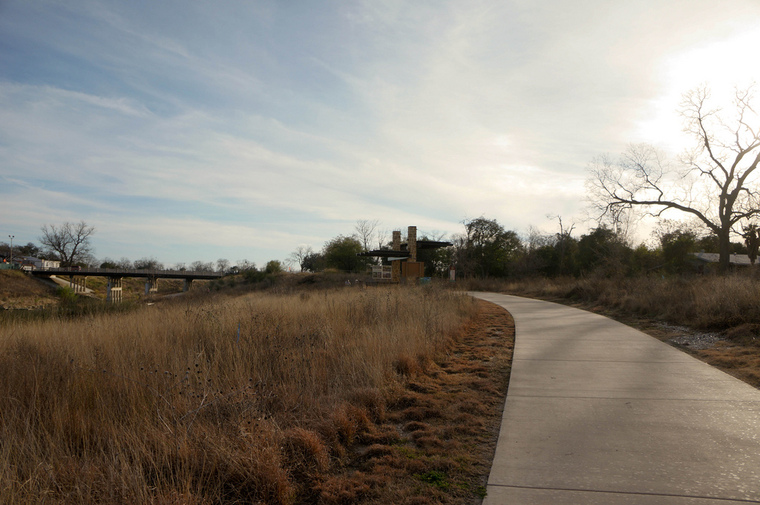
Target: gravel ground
692	339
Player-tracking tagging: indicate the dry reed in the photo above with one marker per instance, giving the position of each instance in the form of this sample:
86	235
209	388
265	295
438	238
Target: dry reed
237	400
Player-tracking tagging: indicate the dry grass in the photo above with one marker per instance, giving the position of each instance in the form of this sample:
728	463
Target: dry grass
17	290
254	399
435	439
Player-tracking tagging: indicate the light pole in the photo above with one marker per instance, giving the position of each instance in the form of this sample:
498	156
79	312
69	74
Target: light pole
12	237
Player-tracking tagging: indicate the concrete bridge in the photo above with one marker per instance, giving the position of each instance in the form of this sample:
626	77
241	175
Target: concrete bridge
78	278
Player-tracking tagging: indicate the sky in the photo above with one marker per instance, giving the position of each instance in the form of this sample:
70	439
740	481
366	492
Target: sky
243	129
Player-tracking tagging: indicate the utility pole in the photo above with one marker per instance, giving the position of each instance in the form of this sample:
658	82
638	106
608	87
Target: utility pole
12	237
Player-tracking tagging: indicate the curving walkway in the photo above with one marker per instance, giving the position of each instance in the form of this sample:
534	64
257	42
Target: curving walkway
600	413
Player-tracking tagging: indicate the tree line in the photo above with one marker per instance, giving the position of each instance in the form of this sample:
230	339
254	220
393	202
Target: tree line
70	243
714	184
484	248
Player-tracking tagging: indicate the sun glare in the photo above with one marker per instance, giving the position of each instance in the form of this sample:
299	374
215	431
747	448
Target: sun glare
721	64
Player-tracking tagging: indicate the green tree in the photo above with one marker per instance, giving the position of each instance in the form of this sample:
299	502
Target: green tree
604	252
109	263
486	249
437	261
313	262
30	249
148	264
273	267
751	236
677	247
644	259
556	259
341	253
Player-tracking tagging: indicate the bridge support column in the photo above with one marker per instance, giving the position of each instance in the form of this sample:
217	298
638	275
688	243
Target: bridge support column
151	285
186	285
78	284
113	290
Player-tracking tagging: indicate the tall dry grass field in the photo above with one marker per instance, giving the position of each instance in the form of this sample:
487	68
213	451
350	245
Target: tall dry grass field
238	400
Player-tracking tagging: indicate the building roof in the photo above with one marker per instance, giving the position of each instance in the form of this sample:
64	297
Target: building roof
404	252
735	259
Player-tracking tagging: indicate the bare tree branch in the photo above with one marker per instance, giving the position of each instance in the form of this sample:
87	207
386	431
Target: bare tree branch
716	183
365	231
70	242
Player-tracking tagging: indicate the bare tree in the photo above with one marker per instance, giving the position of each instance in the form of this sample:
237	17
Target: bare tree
245	265
382	238
564	242
125	263
715	182
365	231
300	254
70	242
201	266
222	265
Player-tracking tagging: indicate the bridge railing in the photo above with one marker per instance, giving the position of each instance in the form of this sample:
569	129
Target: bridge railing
127	271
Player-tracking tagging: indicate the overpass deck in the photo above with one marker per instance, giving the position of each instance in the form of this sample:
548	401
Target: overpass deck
126	272
78	276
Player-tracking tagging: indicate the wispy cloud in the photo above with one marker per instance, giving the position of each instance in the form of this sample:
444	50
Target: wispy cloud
255	127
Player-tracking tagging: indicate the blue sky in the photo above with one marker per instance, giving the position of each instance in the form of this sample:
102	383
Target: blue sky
242	129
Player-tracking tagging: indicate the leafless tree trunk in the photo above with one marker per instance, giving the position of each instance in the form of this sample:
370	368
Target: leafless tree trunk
365	230
70	242
299	255
222	265
715	182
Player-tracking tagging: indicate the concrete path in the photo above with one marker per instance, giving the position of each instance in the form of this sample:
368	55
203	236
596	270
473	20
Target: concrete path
600	413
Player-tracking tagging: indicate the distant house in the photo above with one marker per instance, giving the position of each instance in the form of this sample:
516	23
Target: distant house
709	261
40	264
46	264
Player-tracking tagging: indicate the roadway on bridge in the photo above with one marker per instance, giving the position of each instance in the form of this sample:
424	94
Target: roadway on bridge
600	413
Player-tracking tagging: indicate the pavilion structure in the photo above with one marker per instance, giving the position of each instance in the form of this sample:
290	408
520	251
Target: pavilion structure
402	257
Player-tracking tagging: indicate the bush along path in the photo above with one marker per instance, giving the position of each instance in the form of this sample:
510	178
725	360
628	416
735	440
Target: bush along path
432	440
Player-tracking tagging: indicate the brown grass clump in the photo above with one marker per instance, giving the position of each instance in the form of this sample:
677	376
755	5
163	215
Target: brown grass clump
247	399
254	399
442	450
